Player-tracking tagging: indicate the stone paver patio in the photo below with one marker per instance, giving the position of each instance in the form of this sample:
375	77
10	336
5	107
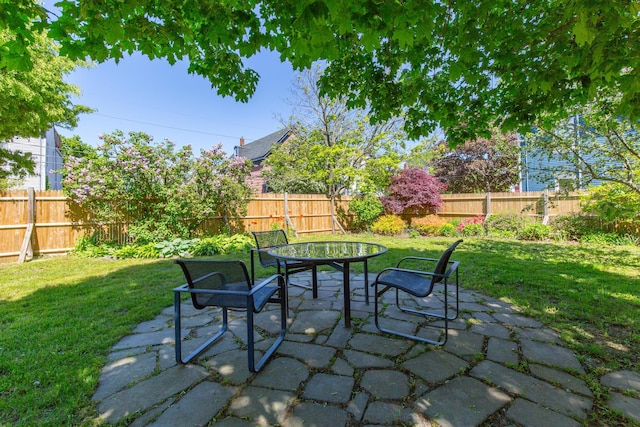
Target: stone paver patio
498	368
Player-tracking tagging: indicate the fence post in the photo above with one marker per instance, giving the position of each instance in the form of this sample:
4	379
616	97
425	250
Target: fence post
545	206
488	205
287	219
27	249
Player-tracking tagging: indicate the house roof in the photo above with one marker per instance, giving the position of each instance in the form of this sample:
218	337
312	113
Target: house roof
259	149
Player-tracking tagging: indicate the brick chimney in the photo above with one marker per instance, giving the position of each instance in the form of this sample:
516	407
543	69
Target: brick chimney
241	141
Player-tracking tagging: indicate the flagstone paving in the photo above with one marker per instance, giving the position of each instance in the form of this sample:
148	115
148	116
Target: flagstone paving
497	368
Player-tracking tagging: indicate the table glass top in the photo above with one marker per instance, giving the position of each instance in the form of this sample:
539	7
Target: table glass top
328	251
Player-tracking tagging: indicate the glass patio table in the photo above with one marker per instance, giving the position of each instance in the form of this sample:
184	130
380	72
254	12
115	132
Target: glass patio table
337	254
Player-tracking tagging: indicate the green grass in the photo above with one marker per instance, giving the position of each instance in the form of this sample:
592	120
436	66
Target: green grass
60	316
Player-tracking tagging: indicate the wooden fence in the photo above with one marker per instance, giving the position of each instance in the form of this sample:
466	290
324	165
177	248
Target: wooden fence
541	204
41	224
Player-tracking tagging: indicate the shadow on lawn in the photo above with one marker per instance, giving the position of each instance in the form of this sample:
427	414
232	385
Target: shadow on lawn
55	340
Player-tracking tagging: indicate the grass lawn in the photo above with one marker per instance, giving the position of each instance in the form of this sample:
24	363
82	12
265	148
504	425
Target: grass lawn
60	316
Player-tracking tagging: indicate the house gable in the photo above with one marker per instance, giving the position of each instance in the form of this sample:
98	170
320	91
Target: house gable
260	149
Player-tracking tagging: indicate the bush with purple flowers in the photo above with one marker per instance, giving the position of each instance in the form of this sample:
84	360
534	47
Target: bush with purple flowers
160	191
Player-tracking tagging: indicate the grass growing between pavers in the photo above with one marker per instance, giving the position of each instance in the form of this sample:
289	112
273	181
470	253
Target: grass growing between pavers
60	316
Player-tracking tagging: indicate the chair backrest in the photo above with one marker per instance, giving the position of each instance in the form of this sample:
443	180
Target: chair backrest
441	266
269	239
215	275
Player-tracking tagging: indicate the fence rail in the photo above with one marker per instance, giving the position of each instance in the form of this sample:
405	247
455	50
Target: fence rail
54	232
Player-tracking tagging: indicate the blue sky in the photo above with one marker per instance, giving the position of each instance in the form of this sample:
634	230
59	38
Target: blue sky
165	101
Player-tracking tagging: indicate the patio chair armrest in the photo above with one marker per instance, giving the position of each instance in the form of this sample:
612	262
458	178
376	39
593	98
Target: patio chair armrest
453	264
388	270
446	275
185	289
266	281
416	258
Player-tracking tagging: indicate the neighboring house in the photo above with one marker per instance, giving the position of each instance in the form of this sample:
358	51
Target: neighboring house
257	151
541	172
534	178
45	152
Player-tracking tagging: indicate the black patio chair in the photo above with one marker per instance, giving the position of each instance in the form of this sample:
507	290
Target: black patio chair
419	282
266	240
226	284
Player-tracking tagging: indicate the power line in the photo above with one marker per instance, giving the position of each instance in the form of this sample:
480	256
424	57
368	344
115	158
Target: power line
168	127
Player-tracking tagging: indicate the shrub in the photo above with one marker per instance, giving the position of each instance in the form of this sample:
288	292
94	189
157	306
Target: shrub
429	225
88	247
573	226
413	190
220	244
628	239
473	230
162	192
534	231
612	202
238	243
389	225
471	226
448	230
365	210
508	224
600	238
148	250
176	247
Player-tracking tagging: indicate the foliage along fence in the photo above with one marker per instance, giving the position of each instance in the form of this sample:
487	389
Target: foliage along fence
53	232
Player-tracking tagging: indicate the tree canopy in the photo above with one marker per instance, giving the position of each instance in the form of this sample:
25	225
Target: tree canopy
33	100
593	145
458	65
481	165
334	148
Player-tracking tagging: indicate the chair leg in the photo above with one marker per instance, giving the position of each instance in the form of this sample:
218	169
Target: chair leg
366	282
178	333
428	313
253	366
314	281
405	335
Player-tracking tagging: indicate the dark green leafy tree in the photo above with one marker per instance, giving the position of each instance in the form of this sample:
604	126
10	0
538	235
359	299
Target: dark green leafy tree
460	65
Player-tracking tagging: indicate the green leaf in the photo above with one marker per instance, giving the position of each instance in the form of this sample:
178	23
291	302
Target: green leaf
583	33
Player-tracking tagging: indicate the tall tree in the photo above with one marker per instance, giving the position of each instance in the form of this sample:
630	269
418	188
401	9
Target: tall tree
334	148
33	97
32	101
481	165
592	144
460	65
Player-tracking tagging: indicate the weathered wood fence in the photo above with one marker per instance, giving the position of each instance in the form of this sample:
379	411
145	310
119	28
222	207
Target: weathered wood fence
41	224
